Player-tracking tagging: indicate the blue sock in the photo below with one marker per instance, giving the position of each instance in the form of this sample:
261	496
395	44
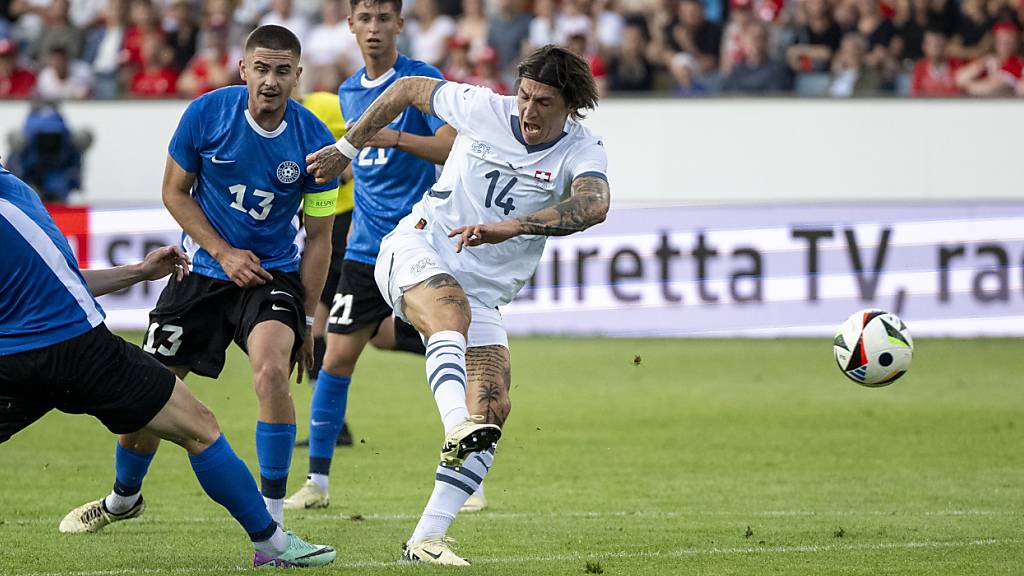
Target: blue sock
129	470
274	445
327	416
225	479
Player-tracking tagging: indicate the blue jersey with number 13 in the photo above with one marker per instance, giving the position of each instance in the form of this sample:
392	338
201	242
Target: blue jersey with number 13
249	182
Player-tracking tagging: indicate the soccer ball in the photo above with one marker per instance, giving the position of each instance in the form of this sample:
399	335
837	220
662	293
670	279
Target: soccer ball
873	348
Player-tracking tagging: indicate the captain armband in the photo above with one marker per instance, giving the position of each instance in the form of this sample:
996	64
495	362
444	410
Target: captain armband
320	203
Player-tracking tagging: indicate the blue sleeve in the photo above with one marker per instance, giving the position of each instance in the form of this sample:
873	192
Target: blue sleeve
320	136
188	137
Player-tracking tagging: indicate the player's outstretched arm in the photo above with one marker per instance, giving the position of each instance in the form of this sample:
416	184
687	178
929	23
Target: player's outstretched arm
328	162
158	263
587	206
241	266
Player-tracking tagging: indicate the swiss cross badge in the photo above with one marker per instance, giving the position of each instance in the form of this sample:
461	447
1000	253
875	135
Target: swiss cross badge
542	175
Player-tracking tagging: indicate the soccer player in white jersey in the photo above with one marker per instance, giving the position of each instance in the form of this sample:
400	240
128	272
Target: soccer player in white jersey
474	240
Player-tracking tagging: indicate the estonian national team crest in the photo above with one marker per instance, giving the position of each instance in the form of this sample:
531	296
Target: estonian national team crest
288	172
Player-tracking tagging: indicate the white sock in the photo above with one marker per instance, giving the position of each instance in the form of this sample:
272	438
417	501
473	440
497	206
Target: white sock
274	545
320	480
118	504
446	376
480	491
452	486
276	508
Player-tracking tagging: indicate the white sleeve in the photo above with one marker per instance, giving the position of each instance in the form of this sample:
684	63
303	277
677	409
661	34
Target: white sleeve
457	103
589	160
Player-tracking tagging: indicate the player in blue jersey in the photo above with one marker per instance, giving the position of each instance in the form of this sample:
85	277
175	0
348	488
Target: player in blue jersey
55	352
391	174
234	180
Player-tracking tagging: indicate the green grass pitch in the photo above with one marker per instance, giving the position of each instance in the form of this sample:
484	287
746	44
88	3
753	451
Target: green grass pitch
628	457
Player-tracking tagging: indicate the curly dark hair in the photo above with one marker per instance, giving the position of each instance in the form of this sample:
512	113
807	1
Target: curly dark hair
561	69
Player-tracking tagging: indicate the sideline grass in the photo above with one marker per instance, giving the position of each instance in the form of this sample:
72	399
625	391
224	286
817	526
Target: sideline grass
709	457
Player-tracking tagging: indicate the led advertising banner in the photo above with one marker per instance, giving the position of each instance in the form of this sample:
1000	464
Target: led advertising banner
949	269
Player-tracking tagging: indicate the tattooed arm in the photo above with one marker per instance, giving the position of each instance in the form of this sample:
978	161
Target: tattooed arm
329	162
587	206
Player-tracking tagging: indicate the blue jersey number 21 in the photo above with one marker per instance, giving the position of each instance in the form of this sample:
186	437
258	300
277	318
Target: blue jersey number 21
503	201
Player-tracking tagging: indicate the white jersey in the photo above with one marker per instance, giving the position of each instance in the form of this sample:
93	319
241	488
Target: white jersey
491	175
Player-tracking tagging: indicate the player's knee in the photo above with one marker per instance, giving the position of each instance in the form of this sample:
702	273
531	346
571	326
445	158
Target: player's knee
342	354
207	429
270	380
339	364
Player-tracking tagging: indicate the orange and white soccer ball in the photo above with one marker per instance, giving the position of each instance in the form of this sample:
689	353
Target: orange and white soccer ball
873	348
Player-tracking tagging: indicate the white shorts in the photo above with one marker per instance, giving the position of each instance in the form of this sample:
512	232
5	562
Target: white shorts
406	259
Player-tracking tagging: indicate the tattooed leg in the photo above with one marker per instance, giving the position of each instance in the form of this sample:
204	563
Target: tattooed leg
437	304
490	377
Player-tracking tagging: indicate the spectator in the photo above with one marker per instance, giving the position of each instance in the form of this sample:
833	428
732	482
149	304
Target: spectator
817	38
219	15
485	72
144	22
758	72
104	52
542	26
473	26
213	66
155	77
740	17
247	14
84	14
851	76
572	21
934	74
972	35
996	74
507	30
844	13
609	24
331	42
910	20
879	33
63	78
942	14
459	67
690	32
28	19
629	70
182	35
15	81
429	32
579	45
59	31
282	13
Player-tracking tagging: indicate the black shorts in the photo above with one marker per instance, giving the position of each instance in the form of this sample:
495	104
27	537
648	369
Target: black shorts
195	320
96	373
339	241
357	302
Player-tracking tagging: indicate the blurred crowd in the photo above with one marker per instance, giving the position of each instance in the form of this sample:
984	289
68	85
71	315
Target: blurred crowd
73	49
